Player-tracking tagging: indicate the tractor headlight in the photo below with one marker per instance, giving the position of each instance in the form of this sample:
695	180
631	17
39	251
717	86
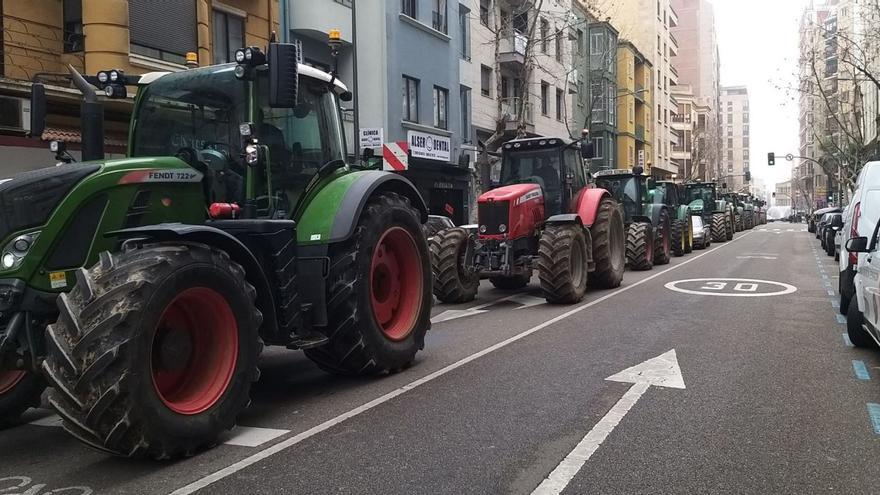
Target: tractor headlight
17	249
103	77
251	154
502	228
239	56
483	229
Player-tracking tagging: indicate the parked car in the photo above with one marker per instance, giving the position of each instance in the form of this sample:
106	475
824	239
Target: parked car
862	315
822	222
702	236
813	219
833	222
858	221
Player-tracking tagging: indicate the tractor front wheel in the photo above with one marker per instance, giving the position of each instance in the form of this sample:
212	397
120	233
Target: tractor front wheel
719	227
19	390
729	229
609	250
639	246
663	244
379	292
688	235
678	238
154	351
562	263
453	282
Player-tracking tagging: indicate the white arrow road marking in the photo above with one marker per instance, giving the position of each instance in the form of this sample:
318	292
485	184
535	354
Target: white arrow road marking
528	301
453	314
661	371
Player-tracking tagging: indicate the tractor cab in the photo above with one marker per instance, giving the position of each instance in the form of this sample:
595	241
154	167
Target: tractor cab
701	197
630	188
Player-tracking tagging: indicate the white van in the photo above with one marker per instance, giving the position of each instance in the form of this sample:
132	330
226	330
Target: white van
859	220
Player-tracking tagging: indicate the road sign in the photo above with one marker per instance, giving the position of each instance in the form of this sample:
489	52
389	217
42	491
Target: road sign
661	371
371	137
789	157
731	287
642	158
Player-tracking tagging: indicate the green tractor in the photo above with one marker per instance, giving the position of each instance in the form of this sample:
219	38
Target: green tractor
750	211
234	223
717	214
738	208
672	195
649	224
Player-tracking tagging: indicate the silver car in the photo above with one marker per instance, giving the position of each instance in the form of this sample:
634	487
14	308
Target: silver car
702	237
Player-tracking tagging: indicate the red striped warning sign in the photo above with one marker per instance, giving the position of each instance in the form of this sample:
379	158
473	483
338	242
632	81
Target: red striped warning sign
395	156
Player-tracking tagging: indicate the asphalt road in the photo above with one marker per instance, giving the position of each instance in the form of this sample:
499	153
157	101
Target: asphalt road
772	401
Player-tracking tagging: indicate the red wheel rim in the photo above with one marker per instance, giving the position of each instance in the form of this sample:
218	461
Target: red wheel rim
395	283
9	379
194	351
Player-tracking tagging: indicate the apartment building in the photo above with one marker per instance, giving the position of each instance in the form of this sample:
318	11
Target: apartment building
783	196
648	25
691	123
41	37
698	66
735	150
634	106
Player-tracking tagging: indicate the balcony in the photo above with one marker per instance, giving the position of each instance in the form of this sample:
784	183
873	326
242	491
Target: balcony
674	73
573	82
514	110
640	132
639	93
314	23
673	17
512	48
673	46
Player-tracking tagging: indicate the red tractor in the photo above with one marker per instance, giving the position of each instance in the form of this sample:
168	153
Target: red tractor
544	216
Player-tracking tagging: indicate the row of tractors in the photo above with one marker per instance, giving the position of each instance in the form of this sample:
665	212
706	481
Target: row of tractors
577	229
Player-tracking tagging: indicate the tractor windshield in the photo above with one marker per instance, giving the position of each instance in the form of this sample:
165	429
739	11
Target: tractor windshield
624	189
703	193
535	167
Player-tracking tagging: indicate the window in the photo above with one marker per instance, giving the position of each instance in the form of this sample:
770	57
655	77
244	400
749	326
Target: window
632	112
559	45
597	43
409	8
746	130
597	147
165	33
464	96
545	96
228	32
484	12
580	42
559	104
73	27
485	81
438	17
441	106
730	154
746	142
730	130
464	28
730	142
730	118
410	99
545	36
745	118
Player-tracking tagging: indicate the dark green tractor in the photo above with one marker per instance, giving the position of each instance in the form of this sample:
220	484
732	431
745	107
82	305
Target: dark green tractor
750	211
649	236
142	290
672	195
717	214
738	207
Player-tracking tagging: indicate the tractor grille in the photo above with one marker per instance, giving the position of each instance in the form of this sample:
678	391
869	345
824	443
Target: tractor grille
493	214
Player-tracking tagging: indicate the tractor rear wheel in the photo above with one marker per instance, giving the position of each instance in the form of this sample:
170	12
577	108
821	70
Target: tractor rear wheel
510	283
719	227
678	236
562	263
639	246
729	229
688	235
19	390
453	282
609	251
379	292
154	351
663	242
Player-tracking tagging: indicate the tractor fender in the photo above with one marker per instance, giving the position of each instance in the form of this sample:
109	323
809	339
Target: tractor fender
575	219
653	212
642	219
212	236
345	198
565	218
684	212
587	204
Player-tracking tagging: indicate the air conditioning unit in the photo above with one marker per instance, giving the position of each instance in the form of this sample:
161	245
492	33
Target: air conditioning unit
15	114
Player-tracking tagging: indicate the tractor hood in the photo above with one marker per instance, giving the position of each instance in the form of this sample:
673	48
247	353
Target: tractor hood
27	199
518	193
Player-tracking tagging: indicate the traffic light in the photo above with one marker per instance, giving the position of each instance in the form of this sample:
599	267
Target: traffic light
748	176
774	195
771	159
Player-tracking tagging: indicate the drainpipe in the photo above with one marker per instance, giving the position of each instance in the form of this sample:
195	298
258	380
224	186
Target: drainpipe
285	31
354	86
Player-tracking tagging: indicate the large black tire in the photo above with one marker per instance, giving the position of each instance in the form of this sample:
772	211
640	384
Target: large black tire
377	317
452	282
688	235
609	250
562	263
678	235
729	228
663	241
639	246
854	329
719	227
510	283
18	392
154	350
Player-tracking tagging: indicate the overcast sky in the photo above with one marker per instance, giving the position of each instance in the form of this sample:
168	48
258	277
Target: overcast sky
758	42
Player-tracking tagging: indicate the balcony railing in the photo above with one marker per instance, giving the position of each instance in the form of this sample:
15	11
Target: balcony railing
512	108
681	119
513	46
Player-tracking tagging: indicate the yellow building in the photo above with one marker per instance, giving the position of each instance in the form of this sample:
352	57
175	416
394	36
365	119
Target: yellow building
634	107
41	37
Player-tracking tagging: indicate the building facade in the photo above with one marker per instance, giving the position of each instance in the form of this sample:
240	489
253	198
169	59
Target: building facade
698	66
595	57
40	37
634	107
735	150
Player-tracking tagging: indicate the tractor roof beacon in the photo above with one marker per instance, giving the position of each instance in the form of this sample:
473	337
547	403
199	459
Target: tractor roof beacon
544	216
234	222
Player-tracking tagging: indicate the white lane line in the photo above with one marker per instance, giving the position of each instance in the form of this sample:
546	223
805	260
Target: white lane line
454	314
249	436
298	438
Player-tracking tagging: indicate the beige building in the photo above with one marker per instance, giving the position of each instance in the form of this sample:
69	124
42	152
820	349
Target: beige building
648	24
734	137
698	66
783	195
691	125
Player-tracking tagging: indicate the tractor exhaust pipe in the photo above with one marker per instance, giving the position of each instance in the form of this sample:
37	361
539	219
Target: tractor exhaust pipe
92	118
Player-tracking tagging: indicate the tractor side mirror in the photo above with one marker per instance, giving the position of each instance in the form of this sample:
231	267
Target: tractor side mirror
587	150
283	75
38	109
857	245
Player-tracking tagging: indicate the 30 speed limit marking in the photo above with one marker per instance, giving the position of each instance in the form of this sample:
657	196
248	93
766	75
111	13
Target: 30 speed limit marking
731	287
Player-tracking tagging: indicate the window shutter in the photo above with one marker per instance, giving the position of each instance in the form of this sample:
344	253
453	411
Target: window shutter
167	25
